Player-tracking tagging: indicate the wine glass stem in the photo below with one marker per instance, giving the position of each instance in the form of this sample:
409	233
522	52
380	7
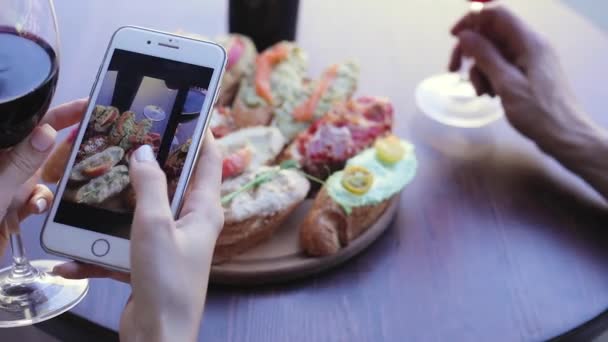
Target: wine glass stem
467	62
22	269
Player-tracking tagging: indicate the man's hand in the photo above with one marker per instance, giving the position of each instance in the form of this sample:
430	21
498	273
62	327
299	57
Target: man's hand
517	64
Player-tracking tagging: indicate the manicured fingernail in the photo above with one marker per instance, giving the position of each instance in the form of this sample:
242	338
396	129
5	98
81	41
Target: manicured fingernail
41	205
43	138
144	153
73	134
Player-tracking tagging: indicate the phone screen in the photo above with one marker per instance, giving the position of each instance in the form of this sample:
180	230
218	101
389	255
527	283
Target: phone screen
142	100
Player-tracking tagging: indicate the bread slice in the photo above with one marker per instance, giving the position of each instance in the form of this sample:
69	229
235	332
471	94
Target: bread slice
327	227
239	237
253	216
245	116
240	69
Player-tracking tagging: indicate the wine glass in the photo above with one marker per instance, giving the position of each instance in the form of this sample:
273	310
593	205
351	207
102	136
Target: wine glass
29	66
451	98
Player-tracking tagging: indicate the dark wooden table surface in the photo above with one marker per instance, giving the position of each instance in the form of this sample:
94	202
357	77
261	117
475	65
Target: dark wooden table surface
493	242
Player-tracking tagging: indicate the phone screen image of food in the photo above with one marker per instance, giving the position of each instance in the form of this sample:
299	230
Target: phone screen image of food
143	100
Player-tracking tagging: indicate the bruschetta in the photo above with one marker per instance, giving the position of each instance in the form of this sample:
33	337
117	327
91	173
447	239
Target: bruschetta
348	128
97	164
353	199
221	122
250	148
337	84
105	186
241	61
278	78
254	214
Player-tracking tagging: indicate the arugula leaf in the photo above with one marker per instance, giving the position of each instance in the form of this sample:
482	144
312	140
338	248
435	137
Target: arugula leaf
290	164
267	176
312	178
259	179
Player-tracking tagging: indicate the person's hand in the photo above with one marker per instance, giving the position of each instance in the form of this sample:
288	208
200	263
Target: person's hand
517	64
20	195
170	259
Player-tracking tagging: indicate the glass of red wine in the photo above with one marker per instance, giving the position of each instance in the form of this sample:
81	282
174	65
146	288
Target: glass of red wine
451	98
29	66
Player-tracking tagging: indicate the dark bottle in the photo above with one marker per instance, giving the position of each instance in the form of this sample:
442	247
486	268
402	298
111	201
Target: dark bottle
265	21
28	76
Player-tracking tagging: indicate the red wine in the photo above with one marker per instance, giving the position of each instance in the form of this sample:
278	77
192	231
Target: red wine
28	76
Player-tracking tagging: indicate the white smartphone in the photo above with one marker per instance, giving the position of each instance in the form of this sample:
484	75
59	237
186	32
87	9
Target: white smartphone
153	88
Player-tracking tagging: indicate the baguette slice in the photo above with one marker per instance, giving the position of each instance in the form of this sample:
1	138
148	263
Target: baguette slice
247	116
351	200
283	76
253	216
327	227
237	238
241	61
347	129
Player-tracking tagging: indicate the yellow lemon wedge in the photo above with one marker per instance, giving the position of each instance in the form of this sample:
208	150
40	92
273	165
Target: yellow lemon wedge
357	179
389	150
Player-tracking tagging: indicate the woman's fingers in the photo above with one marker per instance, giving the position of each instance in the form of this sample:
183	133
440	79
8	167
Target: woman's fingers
207	178
55	165
65	115
152	209
39	202
78	270
22	162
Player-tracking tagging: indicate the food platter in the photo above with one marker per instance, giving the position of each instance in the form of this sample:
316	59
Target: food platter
281	259
311	174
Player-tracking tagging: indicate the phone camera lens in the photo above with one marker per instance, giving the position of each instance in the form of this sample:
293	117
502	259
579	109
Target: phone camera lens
149	42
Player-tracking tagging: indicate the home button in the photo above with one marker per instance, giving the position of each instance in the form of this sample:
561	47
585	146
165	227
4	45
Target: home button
100	247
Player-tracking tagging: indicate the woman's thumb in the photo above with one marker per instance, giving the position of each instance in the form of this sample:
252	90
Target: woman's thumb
149	182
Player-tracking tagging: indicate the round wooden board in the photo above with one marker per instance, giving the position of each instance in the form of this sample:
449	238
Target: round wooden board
281	259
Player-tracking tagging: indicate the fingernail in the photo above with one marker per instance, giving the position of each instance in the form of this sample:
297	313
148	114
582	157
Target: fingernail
43	138
41	205
144	153
73	134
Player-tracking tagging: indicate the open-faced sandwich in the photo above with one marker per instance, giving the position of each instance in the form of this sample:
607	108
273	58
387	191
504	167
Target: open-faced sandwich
102	119
221	122
250	148
97	164
255	205
353	199
278	78
241	60
337	84
345	130
108	184
173	166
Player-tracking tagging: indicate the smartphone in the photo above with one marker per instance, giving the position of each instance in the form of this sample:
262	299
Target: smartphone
152	88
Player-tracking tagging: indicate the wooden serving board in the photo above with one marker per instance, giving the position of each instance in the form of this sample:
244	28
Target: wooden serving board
281	259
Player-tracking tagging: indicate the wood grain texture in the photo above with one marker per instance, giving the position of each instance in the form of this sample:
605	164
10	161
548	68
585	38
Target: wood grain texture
493	241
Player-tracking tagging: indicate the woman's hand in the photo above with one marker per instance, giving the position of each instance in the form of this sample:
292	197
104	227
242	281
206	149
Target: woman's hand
170	259
20	195
517	64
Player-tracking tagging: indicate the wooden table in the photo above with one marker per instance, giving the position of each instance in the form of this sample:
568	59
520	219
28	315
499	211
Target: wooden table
494	241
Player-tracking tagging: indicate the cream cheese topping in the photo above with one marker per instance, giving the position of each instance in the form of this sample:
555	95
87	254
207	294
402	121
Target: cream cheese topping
287	188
